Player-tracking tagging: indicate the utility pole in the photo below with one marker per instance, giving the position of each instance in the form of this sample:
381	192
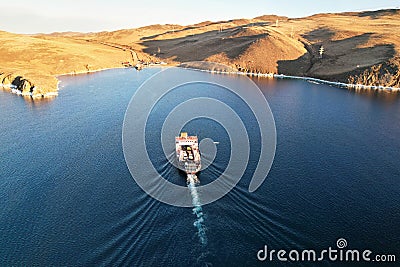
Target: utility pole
321	51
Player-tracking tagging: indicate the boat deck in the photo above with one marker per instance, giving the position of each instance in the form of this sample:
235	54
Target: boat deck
188	154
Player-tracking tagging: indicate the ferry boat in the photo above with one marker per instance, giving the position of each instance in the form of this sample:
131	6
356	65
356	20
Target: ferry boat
188	153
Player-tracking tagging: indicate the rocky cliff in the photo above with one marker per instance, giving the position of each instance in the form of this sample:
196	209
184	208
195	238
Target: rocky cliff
22	86
384	74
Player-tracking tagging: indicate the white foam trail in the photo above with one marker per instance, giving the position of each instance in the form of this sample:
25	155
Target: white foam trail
199	223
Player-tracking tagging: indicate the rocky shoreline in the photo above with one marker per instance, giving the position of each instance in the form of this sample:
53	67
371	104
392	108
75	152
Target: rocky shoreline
24	87
218	69
19	85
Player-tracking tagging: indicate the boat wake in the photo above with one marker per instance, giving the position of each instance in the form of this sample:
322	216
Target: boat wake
197	209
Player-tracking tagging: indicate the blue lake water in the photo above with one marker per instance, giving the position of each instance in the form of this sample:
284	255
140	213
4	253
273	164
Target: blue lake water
67	197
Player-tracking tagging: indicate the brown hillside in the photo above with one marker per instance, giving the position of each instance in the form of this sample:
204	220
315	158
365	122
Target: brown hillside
40	59
358	47
353	43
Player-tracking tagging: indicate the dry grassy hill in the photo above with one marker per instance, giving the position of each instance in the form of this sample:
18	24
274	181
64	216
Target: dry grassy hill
358	48
32	62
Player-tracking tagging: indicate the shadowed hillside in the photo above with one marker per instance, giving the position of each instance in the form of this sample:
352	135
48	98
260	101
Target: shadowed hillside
354	43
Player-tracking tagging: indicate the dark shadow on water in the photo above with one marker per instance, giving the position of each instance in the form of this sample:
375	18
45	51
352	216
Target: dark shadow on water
38	103
32	103
381	96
